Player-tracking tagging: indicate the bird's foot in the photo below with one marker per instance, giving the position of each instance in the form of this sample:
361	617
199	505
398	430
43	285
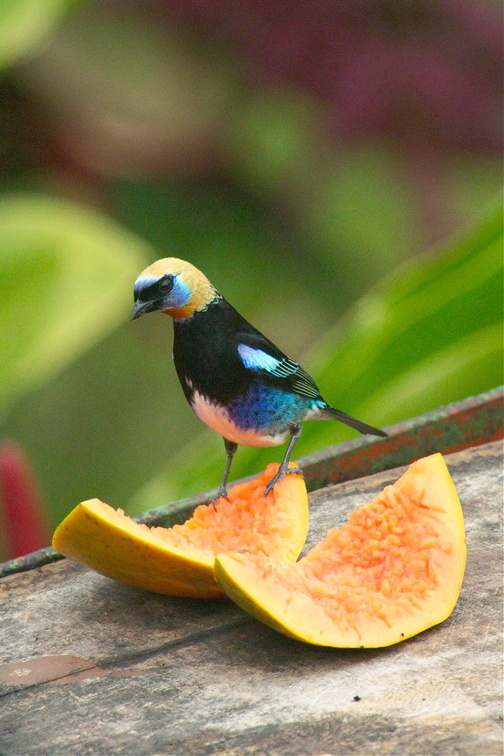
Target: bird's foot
279	475
221	494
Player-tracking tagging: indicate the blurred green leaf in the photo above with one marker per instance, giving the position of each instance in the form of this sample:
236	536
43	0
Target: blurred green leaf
429	335
272	139
445	311
357	200
362	207
24	23
66	275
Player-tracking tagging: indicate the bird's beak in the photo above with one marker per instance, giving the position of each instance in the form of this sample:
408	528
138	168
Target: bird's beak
140	308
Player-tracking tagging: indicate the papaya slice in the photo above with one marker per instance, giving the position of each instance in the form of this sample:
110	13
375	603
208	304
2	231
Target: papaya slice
179	560
394	569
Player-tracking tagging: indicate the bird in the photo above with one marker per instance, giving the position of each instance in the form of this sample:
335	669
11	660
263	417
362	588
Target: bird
235	379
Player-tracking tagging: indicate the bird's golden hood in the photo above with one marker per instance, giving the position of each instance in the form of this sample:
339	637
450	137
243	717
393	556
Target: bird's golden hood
200	292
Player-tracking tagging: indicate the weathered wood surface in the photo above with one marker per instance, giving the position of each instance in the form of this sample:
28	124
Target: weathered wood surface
89	666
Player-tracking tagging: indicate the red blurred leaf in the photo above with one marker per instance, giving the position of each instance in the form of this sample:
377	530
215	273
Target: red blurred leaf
25	524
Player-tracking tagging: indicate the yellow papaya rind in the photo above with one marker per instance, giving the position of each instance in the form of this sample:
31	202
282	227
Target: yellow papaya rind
99	537
256	585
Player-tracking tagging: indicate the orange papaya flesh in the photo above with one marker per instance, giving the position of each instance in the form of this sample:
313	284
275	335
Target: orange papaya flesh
393	570
179	561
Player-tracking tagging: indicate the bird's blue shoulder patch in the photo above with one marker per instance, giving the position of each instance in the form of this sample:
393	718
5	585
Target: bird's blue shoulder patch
257	359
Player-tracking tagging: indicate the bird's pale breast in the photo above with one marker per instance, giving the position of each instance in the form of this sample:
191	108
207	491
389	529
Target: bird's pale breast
219	419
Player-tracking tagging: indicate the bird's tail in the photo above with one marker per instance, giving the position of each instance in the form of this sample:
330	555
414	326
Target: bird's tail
352	421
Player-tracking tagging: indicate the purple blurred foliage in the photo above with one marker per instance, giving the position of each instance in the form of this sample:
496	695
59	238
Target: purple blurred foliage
423	72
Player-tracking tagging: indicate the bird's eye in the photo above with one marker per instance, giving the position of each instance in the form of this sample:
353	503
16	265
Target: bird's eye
166	284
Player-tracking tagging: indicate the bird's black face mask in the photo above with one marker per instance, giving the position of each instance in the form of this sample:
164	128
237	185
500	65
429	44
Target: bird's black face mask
151	296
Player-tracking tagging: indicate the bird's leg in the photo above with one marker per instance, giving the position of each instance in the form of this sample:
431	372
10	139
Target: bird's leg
295	432
231	448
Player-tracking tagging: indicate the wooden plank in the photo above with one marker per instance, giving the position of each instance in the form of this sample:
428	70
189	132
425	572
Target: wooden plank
472	422
92	666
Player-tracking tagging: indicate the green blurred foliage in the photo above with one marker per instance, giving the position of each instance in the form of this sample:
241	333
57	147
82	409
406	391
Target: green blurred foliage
276	148
429	334
117	108
25	23
65	272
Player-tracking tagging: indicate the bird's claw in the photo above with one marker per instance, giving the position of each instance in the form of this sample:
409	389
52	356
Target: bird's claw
221	494
278	477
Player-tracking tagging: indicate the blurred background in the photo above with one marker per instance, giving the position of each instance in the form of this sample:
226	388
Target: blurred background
333	167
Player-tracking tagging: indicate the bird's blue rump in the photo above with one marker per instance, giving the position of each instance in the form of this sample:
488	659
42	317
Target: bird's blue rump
266	408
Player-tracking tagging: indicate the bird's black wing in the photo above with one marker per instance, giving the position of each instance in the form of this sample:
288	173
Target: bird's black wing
261	356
